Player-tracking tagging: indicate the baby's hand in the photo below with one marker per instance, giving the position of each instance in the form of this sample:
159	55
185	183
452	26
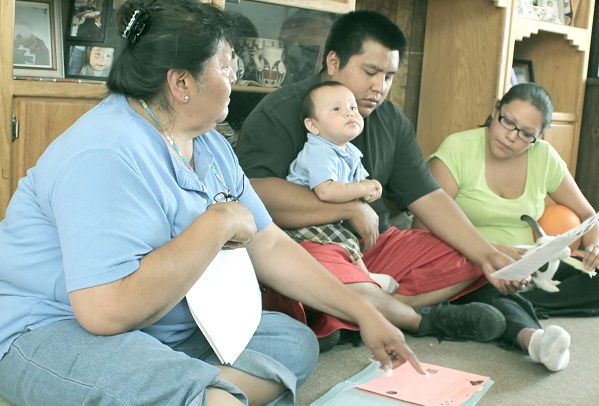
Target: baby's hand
375	192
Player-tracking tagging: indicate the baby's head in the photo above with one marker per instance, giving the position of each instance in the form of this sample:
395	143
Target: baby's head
329	110
100	58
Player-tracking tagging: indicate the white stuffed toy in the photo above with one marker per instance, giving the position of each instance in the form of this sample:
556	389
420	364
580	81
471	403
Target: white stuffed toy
544	280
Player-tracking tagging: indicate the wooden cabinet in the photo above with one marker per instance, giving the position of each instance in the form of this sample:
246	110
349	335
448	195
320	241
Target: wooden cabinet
469	49
41	120
44	109
41	111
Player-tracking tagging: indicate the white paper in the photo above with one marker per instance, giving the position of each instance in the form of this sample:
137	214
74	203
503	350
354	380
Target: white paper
226	303
541	254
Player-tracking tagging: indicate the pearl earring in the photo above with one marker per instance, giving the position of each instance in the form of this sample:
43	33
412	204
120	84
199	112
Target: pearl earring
186	98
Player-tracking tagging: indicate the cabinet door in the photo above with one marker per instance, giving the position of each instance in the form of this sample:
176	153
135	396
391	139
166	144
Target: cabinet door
561	135
464	54
41	120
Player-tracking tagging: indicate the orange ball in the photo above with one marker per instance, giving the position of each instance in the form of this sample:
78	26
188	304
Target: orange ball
558	219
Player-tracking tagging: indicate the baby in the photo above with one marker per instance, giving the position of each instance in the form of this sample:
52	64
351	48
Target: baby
330	165
99	62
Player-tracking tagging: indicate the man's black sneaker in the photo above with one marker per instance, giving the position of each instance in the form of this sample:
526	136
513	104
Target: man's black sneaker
340	337
328	342
350	337
473	321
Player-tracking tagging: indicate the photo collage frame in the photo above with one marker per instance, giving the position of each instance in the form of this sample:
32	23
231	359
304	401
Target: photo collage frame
91	38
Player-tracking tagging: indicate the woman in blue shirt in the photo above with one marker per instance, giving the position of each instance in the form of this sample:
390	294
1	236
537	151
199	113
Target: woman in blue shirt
120	217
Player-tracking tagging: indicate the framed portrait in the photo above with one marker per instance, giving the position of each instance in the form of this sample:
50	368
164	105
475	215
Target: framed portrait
553	11
37	42
526	9
522	71
88	20
91	61
92	40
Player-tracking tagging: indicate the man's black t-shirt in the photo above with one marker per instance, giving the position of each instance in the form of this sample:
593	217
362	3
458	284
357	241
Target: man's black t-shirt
274	133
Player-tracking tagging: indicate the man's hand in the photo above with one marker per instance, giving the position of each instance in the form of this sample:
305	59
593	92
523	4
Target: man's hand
514	252
495	262
366	223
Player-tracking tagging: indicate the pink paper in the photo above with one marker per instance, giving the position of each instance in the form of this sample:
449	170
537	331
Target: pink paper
444	387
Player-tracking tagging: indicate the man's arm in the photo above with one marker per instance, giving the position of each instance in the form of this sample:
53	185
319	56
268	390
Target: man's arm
443	217
446	180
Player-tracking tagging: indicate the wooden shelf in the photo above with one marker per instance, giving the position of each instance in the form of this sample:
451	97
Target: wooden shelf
330	6
71	90
525	27
86	90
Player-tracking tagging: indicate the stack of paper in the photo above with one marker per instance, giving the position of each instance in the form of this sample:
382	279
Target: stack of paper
226	303
443	386
541	254
371	387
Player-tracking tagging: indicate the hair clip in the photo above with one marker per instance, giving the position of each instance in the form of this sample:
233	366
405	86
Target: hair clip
136	25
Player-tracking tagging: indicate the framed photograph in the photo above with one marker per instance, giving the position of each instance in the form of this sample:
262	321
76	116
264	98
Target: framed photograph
37	49
526	9
575	6
92	61
88	20
553	11
92	39
522	71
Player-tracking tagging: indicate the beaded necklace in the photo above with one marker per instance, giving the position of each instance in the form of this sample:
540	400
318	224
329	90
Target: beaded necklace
226	196
168	137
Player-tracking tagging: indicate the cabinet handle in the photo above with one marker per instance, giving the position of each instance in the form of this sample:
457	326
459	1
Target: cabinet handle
15	129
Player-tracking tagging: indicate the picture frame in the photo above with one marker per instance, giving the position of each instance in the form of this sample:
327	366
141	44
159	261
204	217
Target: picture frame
89	56
37	49
90	61
554	11
522	71
526	9
88	19
575	6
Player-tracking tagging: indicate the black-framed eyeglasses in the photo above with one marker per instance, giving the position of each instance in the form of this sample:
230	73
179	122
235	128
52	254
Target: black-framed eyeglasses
511	126
223	197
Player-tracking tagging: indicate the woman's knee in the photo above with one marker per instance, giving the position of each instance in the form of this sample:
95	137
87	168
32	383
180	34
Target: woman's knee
216	396
289	342
302	352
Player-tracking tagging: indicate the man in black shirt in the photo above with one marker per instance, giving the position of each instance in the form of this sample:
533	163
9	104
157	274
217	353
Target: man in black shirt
363	51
